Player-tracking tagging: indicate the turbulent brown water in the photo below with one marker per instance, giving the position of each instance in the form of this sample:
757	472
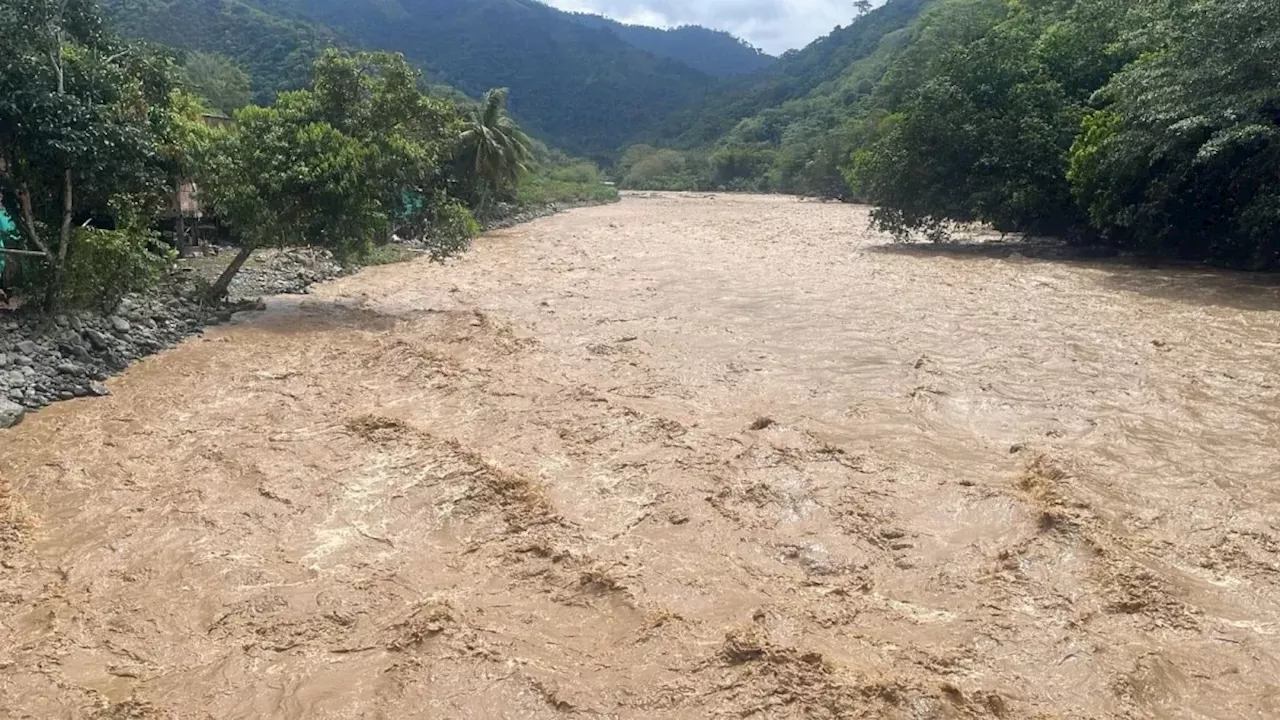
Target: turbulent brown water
678	457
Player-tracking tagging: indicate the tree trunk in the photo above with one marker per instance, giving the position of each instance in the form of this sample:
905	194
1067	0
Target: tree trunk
180	222
219	288
58	264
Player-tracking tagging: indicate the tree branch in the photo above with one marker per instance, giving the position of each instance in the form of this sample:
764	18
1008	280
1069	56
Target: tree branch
29	219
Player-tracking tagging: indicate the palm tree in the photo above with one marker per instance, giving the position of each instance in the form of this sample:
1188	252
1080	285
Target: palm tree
492	149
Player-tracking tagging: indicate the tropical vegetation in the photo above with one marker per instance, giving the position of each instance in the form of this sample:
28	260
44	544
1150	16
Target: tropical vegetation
98	134
82	119
1149	126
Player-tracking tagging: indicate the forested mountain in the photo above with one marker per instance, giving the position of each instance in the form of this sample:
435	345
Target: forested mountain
797	74
579	87
714	52
277	51
784	129
579	83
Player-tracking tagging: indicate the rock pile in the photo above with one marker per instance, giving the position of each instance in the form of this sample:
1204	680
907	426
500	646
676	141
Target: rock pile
43	360
281	272
507	215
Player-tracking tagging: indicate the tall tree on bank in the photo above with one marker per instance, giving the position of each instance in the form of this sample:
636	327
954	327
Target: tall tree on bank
493	152
1183	158
338	166
80	114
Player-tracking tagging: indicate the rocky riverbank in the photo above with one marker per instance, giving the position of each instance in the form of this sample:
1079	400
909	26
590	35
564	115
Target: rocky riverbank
45	360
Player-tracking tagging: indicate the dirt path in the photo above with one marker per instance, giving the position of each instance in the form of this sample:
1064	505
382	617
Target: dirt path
674	458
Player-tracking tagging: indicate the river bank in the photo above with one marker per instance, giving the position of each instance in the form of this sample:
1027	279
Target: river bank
44	360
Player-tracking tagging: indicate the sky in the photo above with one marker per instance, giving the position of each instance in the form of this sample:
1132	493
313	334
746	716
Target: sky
775	25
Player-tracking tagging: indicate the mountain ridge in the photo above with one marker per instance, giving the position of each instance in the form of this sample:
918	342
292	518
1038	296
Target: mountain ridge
579	82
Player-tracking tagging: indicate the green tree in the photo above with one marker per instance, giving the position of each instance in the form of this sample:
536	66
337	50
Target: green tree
985	107
493	152
1184	157
218	80
656	170
341	165
81	114
740	166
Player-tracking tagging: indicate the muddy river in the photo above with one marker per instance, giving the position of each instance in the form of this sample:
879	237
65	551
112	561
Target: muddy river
679	457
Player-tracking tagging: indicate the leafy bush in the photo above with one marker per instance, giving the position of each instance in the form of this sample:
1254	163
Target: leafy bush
102	267
581	172
450	227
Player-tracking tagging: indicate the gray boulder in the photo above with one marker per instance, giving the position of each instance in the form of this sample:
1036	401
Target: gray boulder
10	414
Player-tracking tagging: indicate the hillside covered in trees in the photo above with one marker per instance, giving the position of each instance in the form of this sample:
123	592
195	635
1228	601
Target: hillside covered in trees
582	83
1151	126
714	52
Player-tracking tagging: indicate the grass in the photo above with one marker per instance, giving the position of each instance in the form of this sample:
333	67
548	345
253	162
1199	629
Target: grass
387	254
540	190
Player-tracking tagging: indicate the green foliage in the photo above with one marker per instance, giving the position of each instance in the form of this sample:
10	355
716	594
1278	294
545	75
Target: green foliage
1185	157
741	167
449	227
988	105
714	52
387	254
283	177
343	165
81	119
559	178
543	191
493	153
644	167
583	172
106	265
1153	127
274	48
218	80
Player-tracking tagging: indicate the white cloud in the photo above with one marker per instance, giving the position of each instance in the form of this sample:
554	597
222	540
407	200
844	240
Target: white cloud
775	25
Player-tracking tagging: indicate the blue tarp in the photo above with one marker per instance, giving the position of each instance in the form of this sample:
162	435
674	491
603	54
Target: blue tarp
6	227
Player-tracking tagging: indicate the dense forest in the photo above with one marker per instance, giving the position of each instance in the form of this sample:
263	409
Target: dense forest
1152	126
581	83
276	51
